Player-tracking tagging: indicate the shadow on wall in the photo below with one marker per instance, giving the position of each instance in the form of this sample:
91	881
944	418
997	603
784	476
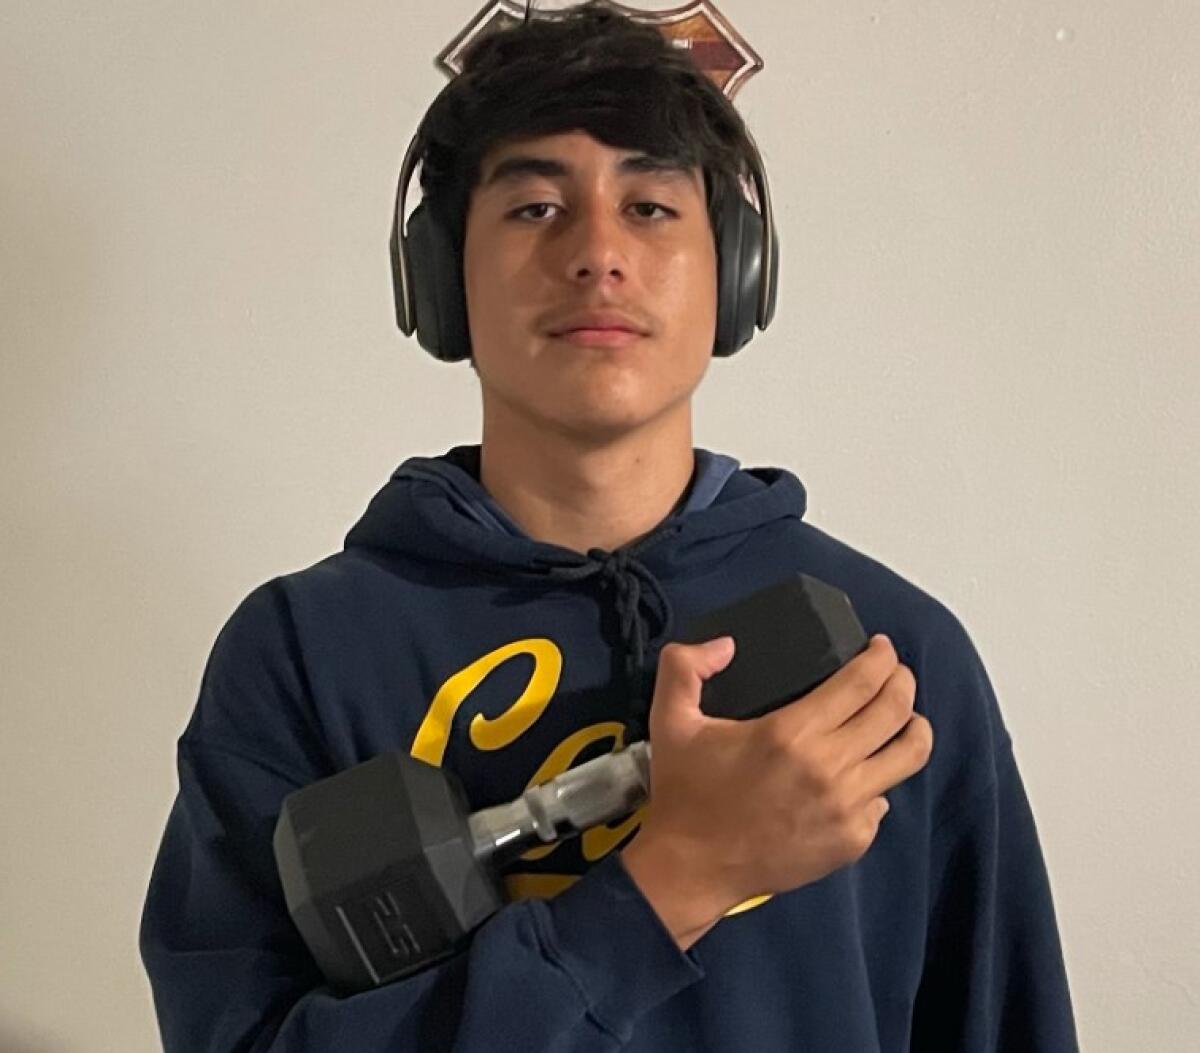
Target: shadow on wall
12	1042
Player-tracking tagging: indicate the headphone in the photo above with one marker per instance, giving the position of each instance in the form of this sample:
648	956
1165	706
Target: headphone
431	299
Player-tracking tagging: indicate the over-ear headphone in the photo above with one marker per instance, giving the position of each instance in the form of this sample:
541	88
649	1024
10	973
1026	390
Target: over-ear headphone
427	276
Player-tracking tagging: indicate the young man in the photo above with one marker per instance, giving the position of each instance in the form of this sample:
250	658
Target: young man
506	609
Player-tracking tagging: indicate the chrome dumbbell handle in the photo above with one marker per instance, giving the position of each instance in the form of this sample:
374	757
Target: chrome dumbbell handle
602	789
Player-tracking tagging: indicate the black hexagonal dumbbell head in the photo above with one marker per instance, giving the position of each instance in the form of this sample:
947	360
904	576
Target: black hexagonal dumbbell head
379	870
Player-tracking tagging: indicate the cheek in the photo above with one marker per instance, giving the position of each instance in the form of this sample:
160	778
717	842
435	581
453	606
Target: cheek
487	315
687	282
495	287
479	284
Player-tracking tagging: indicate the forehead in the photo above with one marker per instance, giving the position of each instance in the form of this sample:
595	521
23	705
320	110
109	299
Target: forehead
572	155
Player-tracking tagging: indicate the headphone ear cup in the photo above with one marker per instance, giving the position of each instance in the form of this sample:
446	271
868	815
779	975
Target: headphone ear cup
773	292
435	267
739	271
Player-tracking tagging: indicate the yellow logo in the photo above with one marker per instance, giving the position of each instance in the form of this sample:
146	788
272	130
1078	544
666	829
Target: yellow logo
496	733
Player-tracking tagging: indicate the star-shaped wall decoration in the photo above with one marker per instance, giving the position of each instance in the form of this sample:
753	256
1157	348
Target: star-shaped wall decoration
699	28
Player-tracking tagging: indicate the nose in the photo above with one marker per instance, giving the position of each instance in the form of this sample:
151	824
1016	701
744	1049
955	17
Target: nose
596	248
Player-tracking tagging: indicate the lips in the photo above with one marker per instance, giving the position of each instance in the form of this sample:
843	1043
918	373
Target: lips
600	337
598	321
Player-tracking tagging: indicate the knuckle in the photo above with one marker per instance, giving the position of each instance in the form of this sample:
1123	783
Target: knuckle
887	648
841	813
822	774
673	657
865	680
922	737
859	838
779	736
927	736
901	706
905	681
797	729
877	662
816	782
888	655
674	650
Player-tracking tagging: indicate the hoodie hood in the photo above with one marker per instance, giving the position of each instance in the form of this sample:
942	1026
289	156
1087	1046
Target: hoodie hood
435	509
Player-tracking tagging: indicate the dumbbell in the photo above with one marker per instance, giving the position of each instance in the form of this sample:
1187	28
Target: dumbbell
385	870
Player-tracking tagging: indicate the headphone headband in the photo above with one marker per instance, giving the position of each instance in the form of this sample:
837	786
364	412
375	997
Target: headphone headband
406	310
766	291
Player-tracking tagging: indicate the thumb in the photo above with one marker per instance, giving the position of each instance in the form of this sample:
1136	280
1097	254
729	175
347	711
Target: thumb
683	668
715	655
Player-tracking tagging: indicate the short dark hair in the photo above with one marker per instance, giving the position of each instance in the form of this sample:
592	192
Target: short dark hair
588	68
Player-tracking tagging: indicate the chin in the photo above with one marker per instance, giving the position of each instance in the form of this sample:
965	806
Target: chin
608	420
600	426
597	414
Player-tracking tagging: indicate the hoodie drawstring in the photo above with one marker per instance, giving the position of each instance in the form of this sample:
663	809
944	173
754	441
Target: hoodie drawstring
626	575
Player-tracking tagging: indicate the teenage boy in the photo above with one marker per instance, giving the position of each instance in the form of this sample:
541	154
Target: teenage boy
506	610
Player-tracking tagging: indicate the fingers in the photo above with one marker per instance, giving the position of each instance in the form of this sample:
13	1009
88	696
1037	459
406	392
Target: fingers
830	704
900	759
878	721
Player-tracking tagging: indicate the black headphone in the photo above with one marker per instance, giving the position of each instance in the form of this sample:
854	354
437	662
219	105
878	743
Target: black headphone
431	299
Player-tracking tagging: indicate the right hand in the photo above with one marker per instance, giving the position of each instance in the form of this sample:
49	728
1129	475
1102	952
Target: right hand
760	806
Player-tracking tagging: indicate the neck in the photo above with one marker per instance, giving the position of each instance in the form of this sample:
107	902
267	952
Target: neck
582	494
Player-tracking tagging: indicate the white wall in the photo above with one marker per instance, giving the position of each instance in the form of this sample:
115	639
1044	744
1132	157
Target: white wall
984	368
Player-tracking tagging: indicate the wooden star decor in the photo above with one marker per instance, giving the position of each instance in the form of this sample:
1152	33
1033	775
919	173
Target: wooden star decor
698	28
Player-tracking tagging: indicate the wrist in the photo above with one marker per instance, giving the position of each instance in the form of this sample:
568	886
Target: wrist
675	885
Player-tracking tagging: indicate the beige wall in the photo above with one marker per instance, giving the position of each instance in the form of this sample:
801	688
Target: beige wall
984	368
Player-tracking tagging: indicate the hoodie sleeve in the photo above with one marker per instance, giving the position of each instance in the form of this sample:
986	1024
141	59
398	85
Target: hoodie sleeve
994	979
229	971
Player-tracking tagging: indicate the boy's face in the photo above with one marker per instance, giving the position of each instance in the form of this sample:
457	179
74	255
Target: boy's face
563	225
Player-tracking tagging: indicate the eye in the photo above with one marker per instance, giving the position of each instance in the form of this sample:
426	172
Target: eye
652	204
520	212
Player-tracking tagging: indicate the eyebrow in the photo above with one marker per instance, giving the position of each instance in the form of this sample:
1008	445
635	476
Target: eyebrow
521	166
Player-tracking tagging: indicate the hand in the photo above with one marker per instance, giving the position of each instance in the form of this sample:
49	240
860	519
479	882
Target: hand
744	808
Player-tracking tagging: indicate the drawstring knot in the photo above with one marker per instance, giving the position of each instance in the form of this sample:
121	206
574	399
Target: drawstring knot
634	587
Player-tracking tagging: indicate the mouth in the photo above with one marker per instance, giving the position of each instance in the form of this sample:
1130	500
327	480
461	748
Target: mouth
608	326
598	337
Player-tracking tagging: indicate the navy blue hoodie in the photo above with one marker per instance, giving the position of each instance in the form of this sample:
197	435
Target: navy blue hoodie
443	630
